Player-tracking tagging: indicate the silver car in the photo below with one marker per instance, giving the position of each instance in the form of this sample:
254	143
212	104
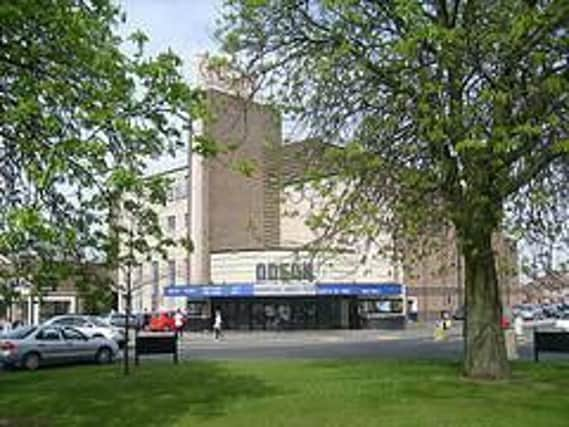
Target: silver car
91	326
32	347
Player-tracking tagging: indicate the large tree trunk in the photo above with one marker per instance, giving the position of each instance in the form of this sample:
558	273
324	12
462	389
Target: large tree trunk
484	345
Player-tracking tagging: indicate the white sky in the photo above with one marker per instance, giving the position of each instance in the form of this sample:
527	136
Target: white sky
185	26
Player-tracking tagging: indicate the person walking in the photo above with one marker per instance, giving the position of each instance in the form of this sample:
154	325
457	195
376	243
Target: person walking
217	325
179	322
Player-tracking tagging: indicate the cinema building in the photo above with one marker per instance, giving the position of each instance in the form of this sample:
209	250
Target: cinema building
250	256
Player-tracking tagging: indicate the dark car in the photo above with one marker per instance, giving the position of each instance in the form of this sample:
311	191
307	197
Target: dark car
459	314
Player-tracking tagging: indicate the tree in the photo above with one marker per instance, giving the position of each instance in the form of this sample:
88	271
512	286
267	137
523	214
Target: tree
79	120
446	111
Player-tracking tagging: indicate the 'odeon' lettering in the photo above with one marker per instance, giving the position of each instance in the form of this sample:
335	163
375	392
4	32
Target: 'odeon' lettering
285	271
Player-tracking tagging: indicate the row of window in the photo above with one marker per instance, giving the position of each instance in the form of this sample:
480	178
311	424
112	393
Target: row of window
174	273
169	223
179	190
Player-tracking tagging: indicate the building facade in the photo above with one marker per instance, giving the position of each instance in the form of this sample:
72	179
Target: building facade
252	257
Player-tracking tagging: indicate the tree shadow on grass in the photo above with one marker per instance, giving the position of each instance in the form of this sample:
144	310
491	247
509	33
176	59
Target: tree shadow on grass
156	393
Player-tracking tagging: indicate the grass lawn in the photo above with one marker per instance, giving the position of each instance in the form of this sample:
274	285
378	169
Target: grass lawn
346	393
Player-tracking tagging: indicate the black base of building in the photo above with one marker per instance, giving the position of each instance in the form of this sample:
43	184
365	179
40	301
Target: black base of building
292	313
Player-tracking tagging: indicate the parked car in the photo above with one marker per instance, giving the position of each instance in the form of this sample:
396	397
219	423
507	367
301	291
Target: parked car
550	311
162	322
460	313
35	346
91	326
563	322
528	312
118	320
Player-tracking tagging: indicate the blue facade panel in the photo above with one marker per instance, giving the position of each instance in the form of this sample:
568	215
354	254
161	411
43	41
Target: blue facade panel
251	290
381	289
209	291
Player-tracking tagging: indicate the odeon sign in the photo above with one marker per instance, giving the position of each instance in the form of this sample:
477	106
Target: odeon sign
284	272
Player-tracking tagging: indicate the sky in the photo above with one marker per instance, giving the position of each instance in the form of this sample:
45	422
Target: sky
185	26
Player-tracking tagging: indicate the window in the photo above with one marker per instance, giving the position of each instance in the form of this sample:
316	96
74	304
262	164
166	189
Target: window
170	194
73	334
155	284
187	270
49	309
155	273
97	322
380	306
139	273
70	321
171	224
20	333
48	334
171	272
196	309
181	189
187	220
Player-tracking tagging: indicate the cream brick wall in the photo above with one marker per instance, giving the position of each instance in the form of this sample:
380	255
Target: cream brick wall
240	267
364	263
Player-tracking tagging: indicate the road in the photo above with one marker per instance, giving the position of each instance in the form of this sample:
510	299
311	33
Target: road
413	343
416	342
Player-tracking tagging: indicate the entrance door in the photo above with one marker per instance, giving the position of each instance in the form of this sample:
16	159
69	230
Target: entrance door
354	315
329	313
257	315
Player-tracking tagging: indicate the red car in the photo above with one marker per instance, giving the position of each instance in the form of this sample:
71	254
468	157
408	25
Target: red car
505	322
162	322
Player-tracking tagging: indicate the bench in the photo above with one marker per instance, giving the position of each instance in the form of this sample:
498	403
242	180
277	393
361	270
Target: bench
557	342
149	343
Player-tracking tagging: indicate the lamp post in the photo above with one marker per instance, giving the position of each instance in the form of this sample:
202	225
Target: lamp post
128	308
189	203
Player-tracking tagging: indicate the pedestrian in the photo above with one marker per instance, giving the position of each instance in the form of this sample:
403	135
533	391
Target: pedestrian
217	325
439	333
441	326
445	319
145	319
519	328
179	322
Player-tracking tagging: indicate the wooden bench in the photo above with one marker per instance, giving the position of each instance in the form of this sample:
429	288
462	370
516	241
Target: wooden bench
555	342
149	343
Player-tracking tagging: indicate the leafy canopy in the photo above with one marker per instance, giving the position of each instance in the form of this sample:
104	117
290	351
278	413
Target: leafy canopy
463	104
79	120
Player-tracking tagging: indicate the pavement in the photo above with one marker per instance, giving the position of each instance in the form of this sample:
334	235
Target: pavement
308	337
